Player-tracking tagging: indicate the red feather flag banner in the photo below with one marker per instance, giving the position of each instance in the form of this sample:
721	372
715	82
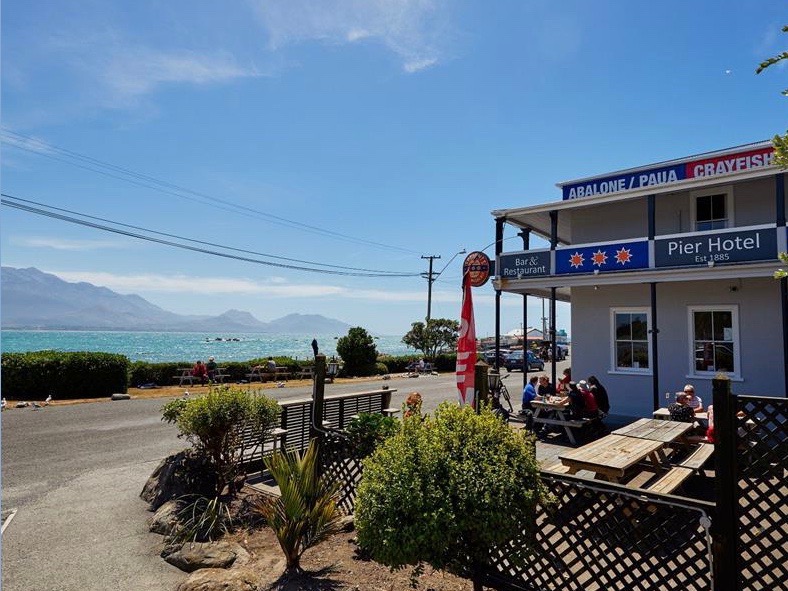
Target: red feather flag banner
466	347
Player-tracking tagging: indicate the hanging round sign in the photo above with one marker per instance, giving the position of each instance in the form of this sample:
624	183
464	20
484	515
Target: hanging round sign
477	266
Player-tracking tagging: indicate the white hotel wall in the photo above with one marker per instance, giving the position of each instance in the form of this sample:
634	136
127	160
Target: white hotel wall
760	334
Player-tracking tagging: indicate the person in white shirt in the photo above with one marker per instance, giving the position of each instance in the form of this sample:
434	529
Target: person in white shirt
694	402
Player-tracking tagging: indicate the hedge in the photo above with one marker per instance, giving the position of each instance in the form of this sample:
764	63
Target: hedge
36	375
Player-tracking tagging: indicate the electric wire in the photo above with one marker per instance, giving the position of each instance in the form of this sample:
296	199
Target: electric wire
45	149
89	224
195	241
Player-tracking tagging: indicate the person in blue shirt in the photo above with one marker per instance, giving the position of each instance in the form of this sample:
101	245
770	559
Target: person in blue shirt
529	393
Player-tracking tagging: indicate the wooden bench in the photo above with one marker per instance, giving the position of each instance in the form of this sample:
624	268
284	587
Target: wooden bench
220	375
670	481
306	373
390	412
282	373
698	457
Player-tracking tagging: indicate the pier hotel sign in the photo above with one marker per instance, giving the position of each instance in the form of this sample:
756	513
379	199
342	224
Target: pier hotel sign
672	172
716	247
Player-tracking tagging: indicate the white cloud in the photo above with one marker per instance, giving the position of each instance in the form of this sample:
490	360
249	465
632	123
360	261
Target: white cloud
65	244
132	72
415	30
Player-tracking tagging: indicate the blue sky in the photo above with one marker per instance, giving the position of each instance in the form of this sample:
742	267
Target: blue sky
397	125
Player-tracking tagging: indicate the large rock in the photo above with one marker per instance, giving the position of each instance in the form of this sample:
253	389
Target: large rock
184	473
165	519
213	579
194	556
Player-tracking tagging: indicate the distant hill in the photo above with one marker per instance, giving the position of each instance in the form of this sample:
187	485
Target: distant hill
32	299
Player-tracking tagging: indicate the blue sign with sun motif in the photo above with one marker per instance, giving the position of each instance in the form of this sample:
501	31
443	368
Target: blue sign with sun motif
616	256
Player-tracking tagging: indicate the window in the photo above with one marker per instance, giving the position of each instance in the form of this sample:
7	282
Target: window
714	333
712	209
631	352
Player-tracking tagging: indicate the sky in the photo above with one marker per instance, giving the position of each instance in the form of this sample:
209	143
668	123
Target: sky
361	134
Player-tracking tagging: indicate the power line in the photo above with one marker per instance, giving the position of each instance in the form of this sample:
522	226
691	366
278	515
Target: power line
195	241
20	205
127	175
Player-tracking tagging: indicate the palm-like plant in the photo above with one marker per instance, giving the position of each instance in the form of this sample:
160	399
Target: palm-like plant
306	511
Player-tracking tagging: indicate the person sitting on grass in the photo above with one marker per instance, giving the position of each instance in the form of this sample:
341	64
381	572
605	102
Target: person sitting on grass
199	371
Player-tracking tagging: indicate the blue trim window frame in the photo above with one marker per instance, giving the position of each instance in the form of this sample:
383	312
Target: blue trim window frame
630	350
714	341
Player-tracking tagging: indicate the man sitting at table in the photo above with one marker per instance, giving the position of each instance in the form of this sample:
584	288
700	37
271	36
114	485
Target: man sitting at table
693	401
545	388
529	394
681	411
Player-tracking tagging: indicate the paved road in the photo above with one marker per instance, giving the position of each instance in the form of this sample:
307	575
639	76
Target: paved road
73	474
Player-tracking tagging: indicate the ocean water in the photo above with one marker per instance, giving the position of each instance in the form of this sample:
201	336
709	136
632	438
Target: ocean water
183	346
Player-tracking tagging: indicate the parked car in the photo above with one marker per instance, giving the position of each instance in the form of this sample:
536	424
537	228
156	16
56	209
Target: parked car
489	356
515	361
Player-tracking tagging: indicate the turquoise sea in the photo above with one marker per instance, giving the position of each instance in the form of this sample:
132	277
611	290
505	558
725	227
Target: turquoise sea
183	346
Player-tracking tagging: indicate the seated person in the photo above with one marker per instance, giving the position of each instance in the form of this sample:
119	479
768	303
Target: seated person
271	365
210	367
693	401
600	395
563	383
529	394
681	411
545	388
590	408
199	371
574	399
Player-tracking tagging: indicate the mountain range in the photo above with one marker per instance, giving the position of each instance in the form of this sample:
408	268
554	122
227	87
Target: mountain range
32	299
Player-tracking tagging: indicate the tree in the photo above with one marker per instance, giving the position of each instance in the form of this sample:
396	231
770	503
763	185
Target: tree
448	489
780	142
210	423
437	335
358	351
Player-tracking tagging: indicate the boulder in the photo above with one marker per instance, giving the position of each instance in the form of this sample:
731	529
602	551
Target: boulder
165	519
213	579
195	556
184	473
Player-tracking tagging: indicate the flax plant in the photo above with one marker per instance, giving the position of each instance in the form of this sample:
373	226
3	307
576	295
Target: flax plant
306	511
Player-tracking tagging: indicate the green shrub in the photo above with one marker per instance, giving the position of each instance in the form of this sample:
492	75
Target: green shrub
211	424
397	363
367	431
358	351
381	369
306	511
64	375
447	490
201	519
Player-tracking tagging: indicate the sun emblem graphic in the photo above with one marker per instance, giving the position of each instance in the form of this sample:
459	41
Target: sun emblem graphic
599	258
623	256
576	260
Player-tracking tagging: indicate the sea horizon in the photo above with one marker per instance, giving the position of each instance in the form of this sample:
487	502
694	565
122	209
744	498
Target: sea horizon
158	347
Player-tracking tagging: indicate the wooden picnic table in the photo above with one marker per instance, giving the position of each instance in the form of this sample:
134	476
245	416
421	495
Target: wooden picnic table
185	375
611	456
664	414
656	430
552	413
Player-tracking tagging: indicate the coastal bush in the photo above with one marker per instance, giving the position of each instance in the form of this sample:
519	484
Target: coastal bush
381	368
211	424
446	490
367	431
358	352
64	375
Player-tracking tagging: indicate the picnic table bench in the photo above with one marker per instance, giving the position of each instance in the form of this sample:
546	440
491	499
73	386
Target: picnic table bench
550	413
306	373
185	375
220	375
259	374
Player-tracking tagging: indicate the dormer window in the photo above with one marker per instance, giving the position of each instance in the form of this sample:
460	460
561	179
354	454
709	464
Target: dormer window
712	209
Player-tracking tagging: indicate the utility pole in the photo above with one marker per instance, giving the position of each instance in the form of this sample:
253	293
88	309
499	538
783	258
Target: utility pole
430	278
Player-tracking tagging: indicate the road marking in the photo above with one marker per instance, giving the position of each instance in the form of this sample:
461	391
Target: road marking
8	521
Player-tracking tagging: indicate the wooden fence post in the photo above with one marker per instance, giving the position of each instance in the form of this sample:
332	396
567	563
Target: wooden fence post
318	393
725	482
481	386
